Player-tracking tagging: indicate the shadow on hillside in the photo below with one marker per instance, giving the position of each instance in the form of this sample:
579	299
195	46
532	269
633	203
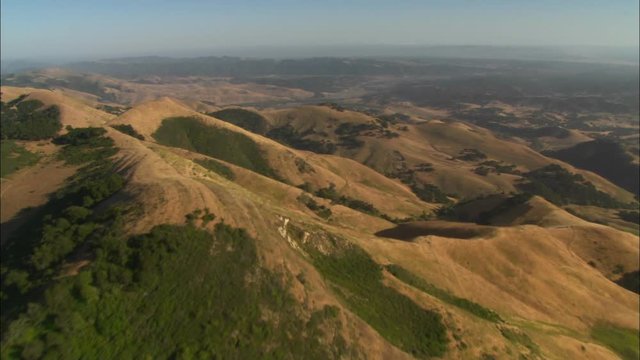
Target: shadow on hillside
8	228
630	281
412	230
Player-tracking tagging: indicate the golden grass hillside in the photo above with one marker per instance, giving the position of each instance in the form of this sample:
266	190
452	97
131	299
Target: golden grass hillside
435	142
351	178
74	110
536	271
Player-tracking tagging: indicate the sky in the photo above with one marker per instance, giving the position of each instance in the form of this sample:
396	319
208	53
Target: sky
69	29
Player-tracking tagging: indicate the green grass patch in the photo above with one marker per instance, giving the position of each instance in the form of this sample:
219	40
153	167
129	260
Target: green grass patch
14	157
624	342
191	134
521	338
464	304
217	167
357	280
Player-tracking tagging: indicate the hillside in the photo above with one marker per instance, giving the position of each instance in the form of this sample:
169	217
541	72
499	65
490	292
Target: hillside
606	158
459	159
251	247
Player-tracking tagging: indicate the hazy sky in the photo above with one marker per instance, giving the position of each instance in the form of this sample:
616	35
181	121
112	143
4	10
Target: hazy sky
87	28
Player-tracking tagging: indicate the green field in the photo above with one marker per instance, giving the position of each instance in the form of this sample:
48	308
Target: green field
14	157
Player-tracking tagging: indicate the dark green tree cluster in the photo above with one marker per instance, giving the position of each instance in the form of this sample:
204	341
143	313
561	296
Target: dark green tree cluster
331	193
471	155
129	130
561	187
630	216
22	119
429	193
82	145
34	253
187	292
320	210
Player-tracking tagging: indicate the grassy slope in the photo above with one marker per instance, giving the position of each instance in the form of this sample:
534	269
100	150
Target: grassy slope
465	276
14	157
192	134
625	342
434	142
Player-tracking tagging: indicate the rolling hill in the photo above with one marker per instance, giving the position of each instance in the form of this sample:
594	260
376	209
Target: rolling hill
252	245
